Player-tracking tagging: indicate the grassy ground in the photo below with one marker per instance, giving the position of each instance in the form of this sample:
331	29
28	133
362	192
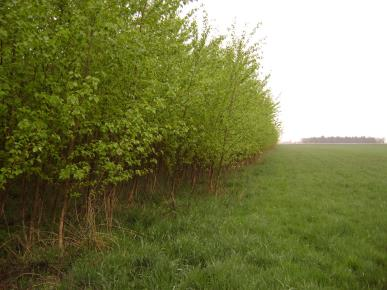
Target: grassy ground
307	217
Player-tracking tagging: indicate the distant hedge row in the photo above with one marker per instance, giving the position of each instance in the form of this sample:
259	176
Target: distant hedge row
96	93
344	140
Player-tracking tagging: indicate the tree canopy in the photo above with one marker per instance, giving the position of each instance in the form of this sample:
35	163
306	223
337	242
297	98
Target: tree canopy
96	93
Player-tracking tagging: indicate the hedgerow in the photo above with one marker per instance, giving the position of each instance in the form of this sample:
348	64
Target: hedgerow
98	97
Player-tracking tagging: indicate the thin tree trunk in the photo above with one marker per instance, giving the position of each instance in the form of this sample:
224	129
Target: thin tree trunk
62	221
132	192
53	208
90	215
193	178
217	177
35	205
109	205
211	178
23	210
172	194
3	197
154	182
40	215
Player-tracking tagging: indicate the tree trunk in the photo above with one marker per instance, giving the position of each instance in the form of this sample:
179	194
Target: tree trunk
109	206
132	192
23	210
211	178
3	197
35	206
154	182
90	215
53	208
62	221
218	174
173	192
193	178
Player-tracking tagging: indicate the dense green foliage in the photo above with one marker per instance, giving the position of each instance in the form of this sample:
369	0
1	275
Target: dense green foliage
96	95
306	217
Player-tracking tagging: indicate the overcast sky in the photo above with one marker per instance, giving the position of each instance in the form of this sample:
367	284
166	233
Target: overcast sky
327	60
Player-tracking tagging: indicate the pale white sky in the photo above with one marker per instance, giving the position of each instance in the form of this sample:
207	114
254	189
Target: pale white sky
327	60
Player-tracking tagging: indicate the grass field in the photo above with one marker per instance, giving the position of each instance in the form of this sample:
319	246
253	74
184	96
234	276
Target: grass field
306	217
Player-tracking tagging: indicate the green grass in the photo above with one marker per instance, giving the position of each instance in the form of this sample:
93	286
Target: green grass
306	217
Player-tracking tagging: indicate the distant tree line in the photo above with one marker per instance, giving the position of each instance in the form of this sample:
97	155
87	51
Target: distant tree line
344	140
106	100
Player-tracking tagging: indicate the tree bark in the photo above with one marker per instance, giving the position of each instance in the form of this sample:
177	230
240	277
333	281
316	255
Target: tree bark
62	222
3	197
109	207
132	192
35	206
90	215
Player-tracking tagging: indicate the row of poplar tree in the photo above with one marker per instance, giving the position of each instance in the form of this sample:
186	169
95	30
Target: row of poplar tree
97	96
